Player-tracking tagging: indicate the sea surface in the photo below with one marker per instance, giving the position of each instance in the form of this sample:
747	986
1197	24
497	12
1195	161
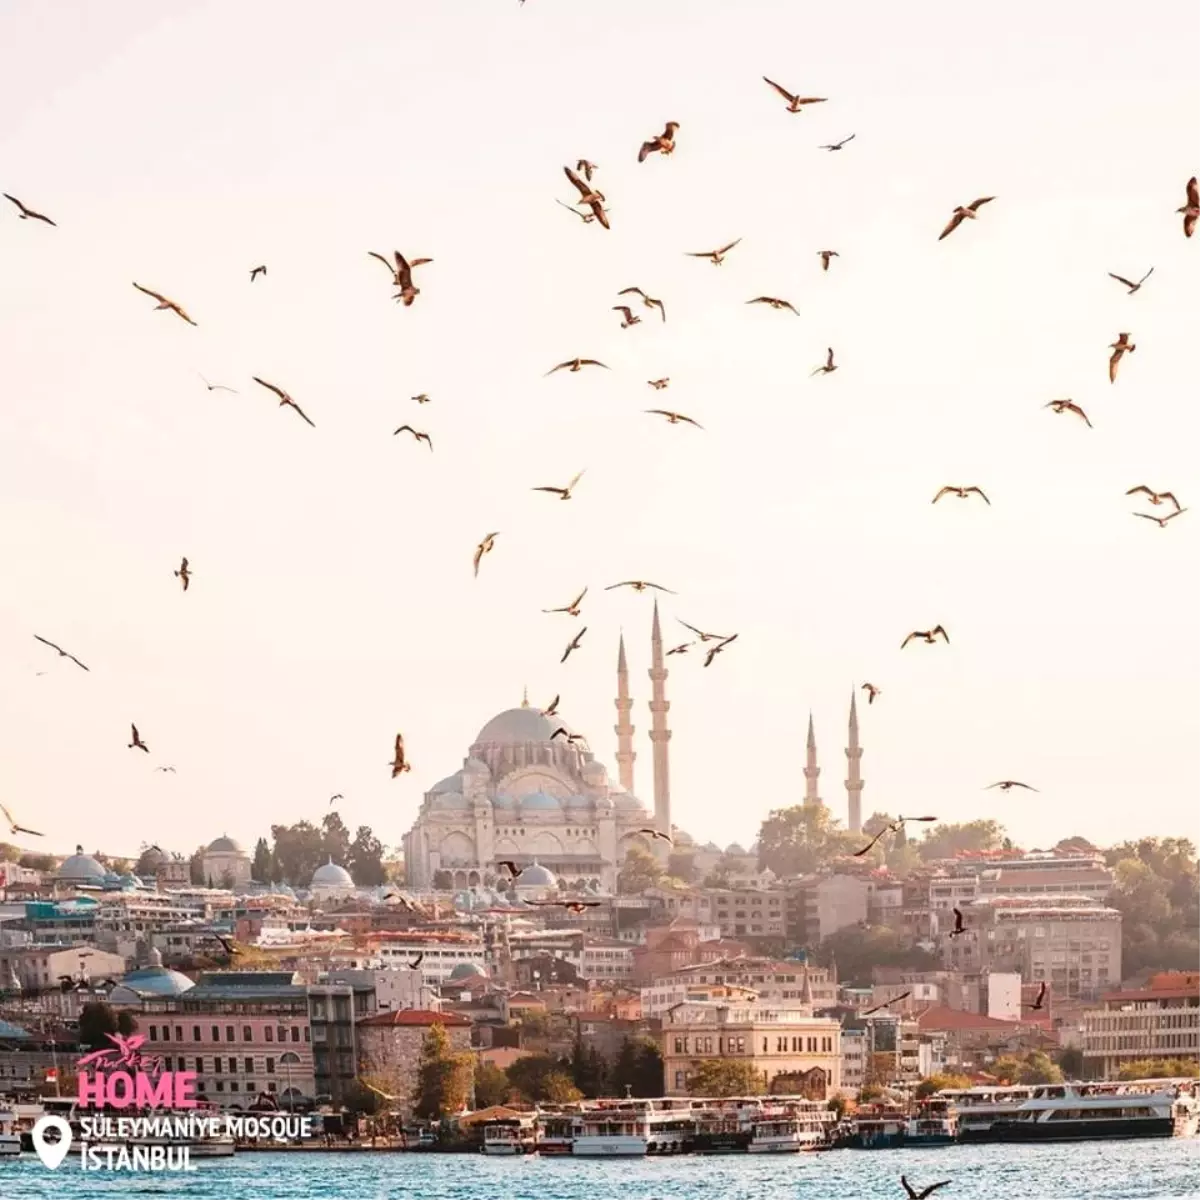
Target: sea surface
1134	1170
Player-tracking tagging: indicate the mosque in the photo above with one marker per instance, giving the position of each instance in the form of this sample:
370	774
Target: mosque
529	798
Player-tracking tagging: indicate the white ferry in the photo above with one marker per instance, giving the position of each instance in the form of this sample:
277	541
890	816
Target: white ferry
10	1139
935	1123
509	1136
794	1127
1067	1112
633	1128
761	1125
555	1134
979	1108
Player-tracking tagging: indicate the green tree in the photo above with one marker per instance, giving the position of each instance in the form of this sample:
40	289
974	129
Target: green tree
948	840
939	1083
869	1092
638	1069
559	1089
724	1077
1160	1068
260	868
491	1085
802	839
682	867
1157	891
1070	1062
335	838
589	1070
9	852
196	867
443	1077
358	1098
97	1020
365	858
639	871
532	1076
1037	1068
859	948
300	849
37	862
1007	1068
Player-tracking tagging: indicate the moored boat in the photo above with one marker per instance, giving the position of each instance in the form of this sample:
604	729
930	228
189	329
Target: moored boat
10	1140
935	1123
509	1136
979	1108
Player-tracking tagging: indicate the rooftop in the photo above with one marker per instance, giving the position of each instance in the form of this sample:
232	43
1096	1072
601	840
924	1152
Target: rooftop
410	1017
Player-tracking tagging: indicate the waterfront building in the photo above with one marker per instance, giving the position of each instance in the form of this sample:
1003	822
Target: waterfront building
390	1044
1159	1020
771	1040
786	983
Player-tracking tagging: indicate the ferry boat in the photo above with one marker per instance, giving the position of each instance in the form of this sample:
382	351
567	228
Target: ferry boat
875	1127
979	1108
554	1133
935	1123
1069	1112
10	1139
761	1124
509	1136
633	1128
793	1127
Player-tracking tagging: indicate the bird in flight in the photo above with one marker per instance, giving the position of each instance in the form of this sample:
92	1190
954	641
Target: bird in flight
774	302
184	574
887	1003
716	257
872	691
576	364
417	434
1161	521
664	143
959	928
256	272
402	274
421	399
217	387
572	738
61	652
1061	406
1133	287
702	635
588	217
659	384
673	418
1008	784
165	302
137	743
588	168
166	770
336	796
893	827
590	196
510	867
927	635
627	316
572	609
414	963
575	906
682	648
284	398
563	493
838	145
657	833
961	214
715	650
795	104
648	301
551	710
1191	210
638	585
13	827
484	547
825	256
1118	348
913	1194
27	214
961	492
829	365
1154	497
1039	1001
573	644
399	763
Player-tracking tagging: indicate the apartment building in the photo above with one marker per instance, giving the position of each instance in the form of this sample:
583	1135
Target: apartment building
785	982
1160	1020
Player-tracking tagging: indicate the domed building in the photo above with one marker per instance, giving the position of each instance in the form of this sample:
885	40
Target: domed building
150	980
524	794
81	870
331	882
225	864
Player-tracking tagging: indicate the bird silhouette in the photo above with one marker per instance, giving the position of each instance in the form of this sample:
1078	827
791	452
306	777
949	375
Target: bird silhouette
28	214
1133	287
399	763
663	144
256	271
968	213
165	302
61	652
137	743
1119	349
184	574
961	492
484	547
1062	406
1191	210
927	635
1008	784
795	103
14	827
418	435
573	644
572	609
285	401
915	1195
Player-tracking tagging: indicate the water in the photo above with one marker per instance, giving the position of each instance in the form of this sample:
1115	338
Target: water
1146	1170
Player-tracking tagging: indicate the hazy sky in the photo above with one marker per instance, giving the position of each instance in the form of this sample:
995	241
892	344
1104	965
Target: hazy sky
333	602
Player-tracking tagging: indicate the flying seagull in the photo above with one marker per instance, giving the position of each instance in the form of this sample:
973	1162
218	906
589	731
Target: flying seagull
399	763
27	214
1154	497
590	196
1133	287
921	1195
716	257
701	634
872	691
829	365
572	609
774	302
628	318
1061	406
510	867
959	928
838	145
656	833
825	256
61	652
563	493
682	648
336	796
893	827
715	650
1191	210
1008	784
1118	348
638	585
648	301
659	384
970	212
418	436
573	644
256	271
1161	521
13	827
1040	1000
216	387
796	103
576	364
588	168
414	963
887	1003
137	743
402	274
673	418
927	635
572	738
551	710
422	398
184	574
664	143
165	302
588	217
484	547
961	492
284	398
166	771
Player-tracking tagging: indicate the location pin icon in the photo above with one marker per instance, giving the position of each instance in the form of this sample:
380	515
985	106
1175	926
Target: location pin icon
51	1153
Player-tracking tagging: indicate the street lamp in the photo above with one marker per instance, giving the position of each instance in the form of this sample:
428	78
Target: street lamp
289	1059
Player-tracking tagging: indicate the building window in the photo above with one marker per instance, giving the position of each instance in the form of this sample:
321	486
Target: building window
229	1033
216	1064
179	1033
199	1065
153	1033
233	1087
306	1036
249	1066
195	1033
270	1032
680	1081
220	1085
166	1033
232	1065
216	1033
270	1066
247	1034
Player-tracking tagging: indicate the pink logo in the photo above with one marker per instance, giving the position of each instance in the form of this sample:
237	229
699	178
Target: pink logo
143	1083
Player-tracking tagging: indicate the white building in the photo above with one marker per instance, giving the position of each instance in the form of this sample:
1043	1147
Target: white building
438	957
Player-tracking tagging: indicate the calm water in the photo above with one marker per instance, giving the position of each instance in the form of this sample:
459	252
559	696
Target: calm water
1082	1171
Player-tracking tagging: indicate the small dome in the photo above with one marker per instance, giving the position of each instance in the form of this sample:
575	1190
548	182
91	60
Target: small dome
734	848
536	875
518	725
224	845
331	875
467	970
81	867
628	802
452	783
539	800
154	857
682	837
155	981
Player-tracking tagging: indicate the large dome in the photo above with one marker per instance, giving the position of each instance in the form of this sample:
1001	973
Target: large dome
535	875
224	845
331	875
517	725
467	970
81	867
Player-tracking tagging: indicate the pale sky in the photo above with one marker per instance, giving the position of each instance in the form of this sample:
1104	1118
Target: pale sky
333	603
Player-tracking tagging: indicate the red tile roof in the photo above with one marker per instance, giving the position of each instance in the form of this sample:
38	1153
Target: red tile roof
949	1019
413	1016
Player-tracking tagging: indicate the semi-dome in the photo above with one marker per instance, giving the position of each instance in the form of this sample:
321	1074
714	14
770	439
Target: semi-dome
224	845
516	725
81	867
331	875
452	784
536	875
539	800
627	801
467	970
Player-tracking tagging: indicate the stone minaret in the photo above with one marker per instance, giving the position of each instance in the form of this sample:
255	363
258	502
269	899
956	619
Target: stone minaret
660	735
811	770
624	728
854	782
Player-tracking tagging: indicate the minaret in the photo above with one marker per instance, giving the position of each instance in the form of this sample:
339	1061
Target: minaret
854	784
624	728
811	770
660	735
